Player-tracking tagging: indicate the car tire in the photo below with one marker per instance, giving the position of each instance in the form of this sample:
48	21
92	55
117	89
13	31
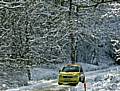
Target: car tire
59	83
82	80
73	84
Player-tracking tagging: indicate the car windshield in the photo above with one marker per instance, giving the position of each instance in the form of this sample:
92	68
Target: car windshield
70	69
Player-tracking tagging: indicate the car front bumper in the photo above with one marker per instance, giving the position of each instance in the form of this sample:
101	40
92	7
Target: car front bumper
69	80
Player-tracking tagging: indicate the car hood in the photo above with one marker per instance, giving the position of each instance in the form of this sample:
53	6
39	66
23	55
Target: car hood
69	73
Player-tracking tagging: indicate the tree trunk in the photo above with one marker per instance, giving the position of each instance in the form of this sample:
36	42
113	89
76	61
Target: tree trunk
73	51
29	74
70	8
72	44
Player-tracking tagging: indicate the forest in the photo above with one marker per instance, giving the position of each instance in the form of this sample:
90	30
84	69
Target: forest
38	32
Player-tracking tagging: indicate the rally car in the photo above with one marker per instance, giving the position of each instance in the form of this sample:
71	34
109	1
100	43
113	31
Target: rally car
71	74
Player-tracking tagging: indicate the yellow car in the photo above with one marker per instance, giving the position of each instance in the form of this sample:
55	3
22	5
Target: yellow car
71	74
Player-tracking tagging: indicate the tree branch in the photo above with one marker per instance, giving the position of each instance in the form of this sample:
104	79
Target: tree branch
97	2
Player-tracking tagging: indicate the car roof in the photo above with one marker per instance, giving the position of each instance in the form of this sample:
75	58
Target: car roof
72	64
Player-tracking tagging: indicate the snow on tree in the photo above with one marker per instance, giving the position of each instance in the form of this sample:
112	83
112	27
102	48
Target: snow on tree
116	50
38	32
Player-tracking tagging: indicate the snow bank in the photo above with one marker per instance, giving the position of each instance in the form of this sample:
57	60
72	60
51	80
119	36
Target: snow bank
109	82
41	73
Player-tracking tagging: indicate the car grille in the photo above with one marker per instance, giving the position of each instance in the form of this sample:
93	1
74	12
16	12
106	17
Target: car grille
69	81
67	76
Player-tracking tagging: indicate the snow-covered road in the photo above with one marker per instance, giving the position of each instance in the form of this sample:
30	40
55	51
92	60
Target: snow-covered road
95	81
100	80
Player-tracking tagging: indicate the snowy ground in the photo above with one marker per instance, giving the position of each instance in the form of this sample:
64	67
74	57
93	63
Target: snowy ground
52	72
99	80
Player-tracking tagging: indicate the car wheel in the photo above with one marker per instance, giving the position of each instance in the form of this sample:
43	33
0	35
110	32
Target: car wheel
79	79
83	80
59	83
74	84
